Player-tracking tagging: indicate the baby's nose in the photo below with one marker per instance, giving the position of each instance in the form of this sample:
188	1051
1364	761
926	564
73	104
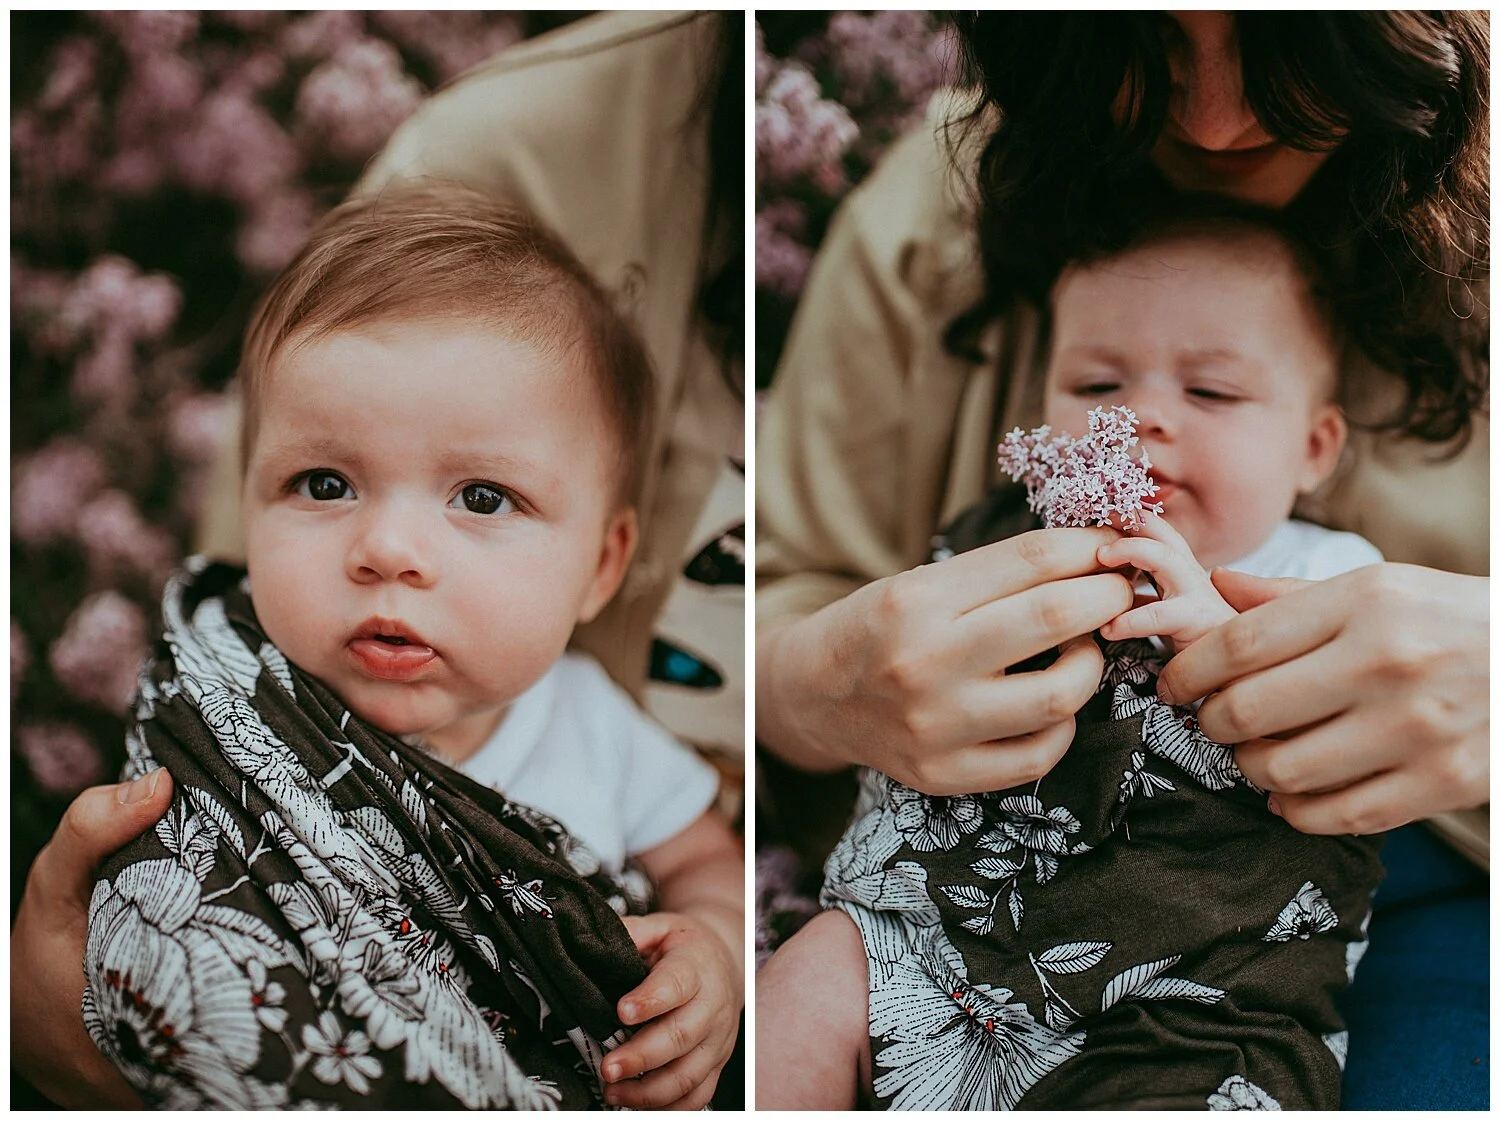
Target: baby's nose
391	545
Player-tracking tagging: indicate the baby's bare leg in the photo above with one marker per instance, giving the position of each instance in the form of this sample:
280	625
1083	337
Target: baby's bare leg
812	1019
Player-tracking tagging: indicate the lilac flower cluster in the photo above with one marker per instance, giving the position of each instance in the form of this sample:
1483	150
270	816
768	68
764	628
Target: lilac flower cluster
826	107
1091	480
164	164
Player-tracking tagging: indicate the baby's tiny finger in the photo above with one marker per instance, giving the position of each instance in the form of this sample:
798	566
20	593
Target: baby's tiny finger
670	985
682	1080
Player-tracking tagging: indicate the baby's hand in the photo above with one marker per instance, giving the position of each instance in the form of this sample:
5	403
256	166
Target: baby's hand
1190	606
692	997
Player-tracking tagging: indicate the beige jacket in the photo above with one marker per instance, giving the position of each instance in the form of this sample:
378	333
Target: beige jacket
594	130
873	435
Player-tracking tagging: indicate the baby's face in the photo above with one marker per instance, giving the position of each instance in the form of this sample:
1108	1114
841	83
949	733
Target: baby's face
429	509
1228	373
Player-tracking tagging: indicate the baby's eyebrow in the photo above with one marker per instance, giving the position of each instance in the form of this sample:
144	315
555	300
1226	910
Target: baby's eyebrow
1210	356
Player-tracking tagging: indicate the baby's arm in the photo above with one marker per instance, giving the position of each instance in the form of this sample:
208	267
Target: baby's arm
1190	606
695	947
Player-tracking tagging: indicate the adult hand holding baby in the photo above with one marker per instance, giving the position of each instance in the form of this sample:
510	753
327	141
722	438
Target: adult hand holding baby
49	1046
907	675
1375	684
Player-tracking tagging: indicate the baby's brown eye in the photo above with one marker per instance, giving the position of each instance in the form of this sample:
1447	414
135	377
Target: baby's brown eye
323	486
480	498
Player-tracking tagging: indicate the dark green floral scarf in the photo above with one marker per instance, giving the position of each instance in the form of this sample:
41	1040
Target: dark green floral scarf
328	915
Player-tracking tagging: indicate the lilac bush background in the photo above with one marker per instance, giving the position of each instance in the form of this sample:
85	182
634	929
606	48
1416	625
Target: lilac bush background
832	90
164	165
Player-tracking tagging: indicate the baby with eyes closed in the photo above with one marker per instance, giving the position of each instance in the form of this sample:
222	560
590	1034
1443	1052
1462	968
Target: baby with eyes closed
1137	929
403	866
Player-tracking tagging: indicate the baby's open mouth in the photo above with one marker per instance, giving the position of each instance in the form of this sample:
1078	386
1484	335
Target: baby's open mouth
394	640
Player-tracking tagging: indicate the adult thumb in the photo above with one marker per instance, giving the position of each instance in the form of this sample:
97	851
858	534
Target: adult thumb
1243	591
99	821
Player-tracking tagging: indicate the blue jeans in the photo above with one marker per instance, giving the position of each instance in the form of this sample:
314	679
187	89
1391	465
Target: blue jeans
1418	1011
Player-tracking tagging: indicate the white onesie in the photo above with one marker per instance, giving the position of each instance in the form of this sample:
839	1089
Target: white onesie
576	747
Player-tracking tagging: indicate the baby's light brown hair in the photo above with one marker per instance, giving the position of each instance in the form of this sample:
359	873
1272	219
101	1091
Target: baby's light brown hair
441	251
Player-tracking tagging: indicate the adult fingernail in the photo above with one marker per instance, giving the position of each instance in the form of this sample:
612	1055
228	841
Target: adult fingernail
612	1072
1166	694
140	790
1273	805
627	1011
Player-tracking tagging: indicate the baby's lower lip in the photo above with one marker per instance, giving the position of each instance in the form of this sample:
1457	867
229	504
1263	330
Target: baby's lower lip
389	661
1164	491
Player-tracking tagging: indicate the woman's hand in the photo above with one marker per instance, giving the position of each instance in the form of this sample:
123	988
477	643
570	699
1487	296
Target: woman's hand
48	1044
1360	702
908	674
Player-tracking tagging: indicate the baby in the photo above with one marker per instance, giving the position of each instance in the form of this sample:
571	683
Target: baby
1136	929
445	421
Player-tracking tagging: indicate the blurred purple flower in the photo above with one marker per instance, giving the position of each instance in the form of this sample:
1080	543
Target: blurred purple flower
452	41
113	297
20	658
355	100
275	230
62	758
798	133
235	148
75	65
144	33
118	540
105	376
781	261
197	425
321	34
50	487
890	62
101	650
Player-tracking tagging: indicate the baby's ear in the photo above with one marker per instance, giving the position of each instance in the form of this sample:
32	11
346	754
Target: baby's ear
618	546
1325	443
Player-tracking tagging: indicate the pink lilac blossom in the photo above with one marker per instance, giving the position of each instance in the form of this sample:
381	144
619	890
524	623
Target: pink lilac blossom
355	100
889	62
235	148
1090	480
50	487
798	133
62	758
118	539
317	36
100	651
74	69
781	261
452	41
275	230
144	33
197	426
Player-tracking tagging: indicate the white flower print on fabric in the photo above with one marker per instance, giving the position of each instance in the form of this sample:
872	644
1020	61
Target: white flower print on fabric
340	1056
1237	1092
1027	831
1307	914
956	1045
930	824
1134	661
1338	1043
266	997
1175	736
1355	951
173	993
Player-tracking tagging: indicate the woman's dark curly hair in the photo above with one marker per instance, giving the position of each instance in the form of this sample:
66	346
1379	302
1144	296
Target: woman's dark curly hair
1400	210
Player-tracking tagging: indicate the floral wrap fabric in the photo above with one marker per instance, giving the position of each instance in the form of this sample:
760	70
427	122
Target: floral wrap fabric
1135	930
329	917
